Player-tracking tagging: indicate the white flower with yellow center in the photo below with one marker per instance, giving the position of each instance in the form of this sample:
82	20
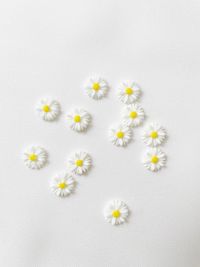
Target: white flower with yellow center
63	184
80	163
133	115
35	157
96	87
154	159
48	109
154	135
79	119
116	212
121	135
129	92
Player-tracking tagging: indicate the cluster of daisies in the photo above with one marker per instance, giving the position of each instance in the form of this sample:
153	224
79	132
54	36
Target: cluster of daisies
49	110
154	136
63	184
36	157
132	114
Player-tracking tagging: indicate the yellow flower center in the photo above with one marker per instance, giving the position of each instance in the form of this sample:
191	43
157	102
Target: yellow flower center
77	118
154	159
133	114
96	86
33	157
62	185
116	213
129	91
154	135
120	134
79	163
46	108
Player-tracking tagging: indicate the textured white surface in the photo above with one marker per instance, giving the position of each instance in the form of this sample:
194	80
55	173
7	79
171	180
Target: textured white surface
48	48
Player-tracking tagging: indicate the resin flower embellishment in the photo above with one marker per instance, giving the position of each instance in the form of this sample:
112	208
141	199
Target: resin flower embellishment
129	92
133	115
96	87
154	135
35	157
116	212
155	159
80	163
79	119
121	135
49	110
63	184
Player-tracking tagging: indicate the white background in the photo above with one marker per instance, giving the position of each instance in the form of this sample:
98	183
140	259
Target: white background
48	48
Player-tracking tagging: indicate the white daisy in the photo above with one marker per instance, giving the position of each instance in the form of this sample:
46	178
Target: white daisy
96	87
121	135
35	157
48	109
63	184
154	159
80	163
133	115
154	135
79	119
116	212
129	92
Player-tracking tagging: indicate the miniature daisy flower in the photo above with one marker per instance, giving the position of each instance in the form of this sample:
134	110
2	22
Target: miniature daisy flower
121	135
96	87
80	163
129	92
116	212
154	159
79	119
133	115
49	110
63	184
35	157
154	135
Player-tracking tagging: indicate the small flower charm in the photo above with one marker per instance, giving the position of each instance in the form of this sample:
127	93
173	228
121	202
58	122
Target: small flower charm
155	159
116	212
79	119
121	135
96	87
154	135
35	157
80	163
63	184
133	115
129	92
49	110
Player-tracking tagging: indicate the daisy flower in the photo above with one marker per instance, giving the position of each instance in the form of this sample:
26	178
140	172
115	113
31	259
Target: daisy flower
133	115
79	119
129	92
63	184
121	135
48	109
116	212
35	157
154	159
96	87
80	163
154	135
